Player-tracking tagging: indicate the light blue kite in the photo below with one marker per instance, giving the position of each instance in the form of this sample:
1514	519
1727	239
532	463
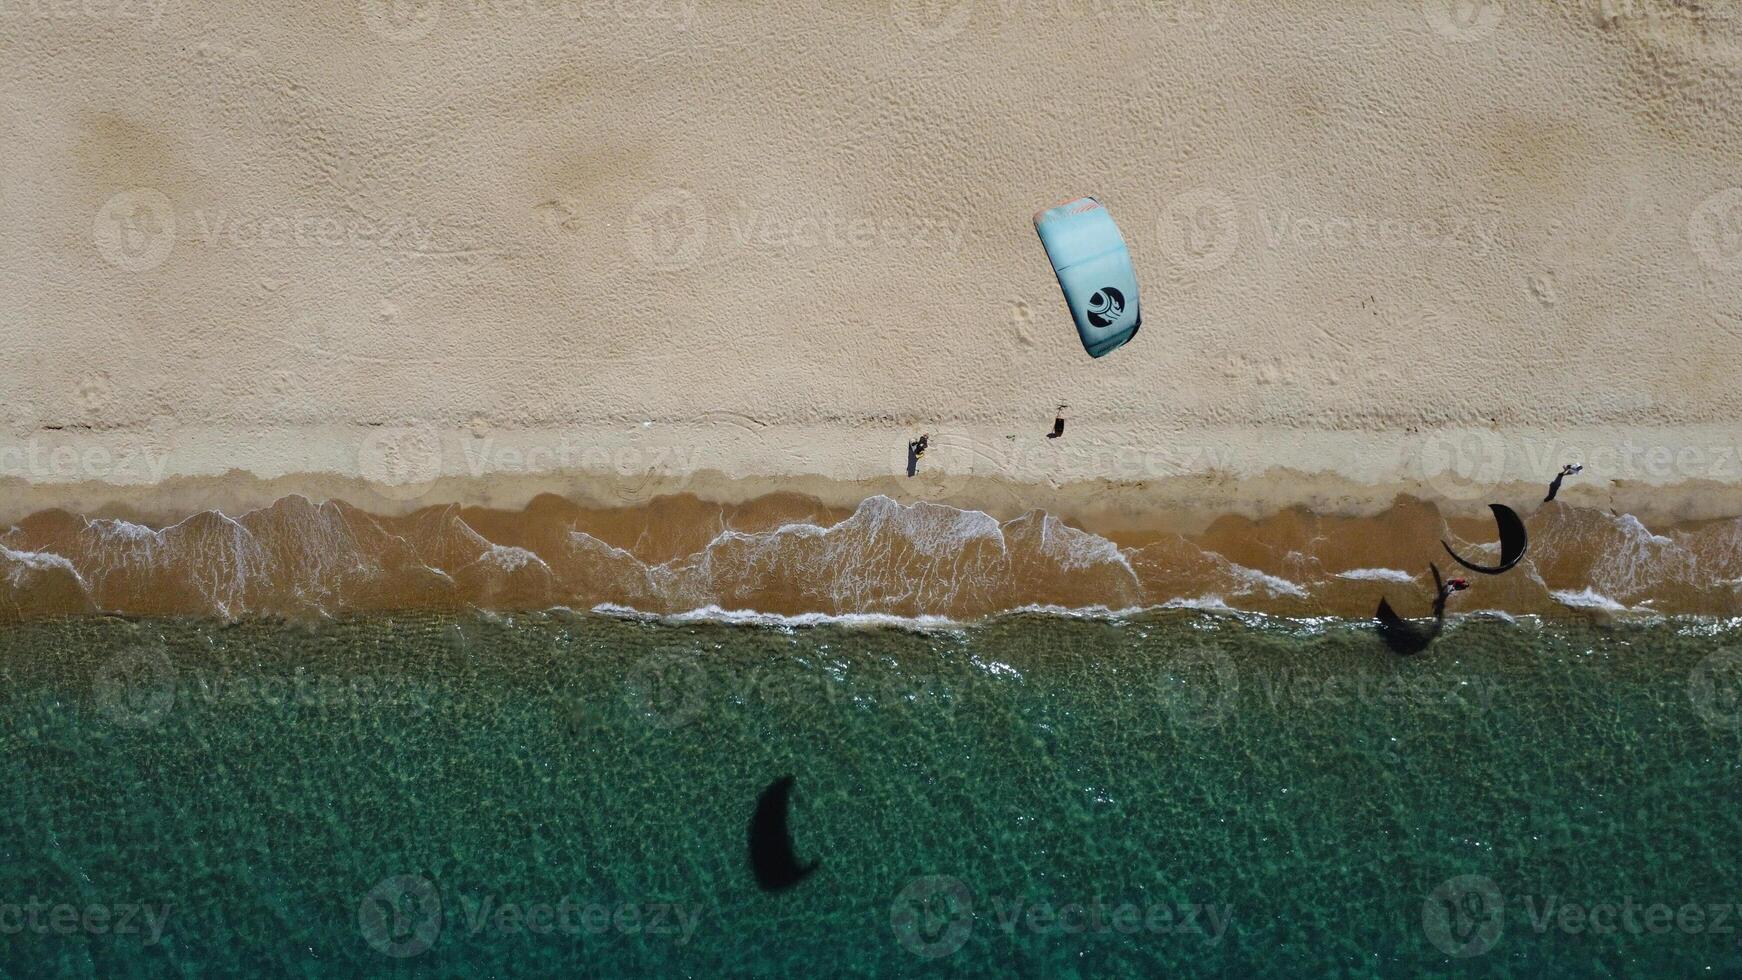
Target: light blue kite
1094	269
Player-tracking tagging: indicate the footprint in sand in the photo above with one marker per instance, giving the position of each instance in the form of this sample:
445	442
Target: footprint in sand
1022	319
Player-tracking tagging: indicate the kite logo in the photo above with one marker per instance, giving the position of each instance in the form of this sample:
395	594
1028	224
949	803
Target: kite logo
1106	306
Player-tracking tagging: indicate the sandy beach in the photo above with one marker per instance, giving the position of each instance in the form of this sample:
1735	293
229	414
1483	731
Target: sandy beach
255	238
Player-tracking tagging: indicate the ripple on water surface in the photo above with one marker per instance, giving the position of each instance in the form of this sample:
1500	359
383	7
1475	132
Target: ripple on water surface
1040	794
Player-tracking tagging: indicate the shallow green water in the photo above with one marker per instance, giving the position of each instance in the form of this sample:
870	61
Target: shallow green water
1037	796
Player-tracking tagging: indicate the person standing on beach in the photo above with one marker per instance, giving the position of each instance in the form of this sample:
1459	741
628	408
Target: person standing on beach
1555	487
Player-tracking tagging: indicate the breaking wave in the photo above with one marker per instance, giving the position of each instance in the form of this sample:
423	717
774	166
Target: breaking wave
785	559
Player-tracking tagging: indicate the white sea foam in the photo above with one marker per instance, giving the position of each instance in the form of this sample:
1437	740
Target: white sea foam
510	558
1206	603
1074	612
1587	599
750	617
1273	584
1377	575
36	561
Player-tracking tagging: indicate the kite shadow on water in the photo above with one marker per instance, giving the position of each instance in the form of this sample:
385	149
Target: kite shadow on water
1406	638
772	857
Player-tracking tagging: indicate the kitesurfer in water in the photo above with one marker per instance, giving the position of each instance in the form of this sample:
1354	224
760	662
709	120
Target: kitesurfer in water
1405	638
1555	487
1447	587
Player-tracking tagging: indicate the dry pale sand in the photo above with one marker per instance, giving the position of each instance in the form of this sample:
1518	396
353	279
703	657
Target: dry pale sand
476	249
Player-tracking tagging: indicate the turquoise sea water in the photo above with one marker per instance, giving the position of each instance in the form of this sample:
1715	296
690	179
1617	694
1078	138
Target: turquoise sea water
1172	794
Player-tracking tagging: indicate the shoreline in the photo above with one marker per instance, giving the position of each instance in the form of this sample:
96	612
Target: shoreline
1107	482
789	554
